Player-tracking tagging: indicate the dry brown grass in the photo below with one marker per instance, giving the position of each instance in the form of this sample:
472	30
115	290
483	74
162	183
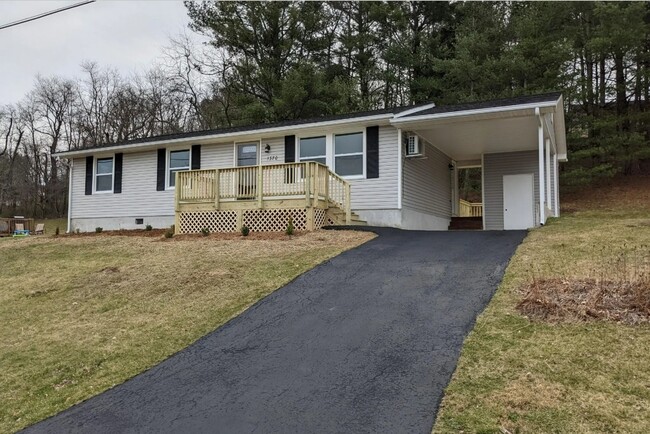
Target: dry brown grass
81	314
568	375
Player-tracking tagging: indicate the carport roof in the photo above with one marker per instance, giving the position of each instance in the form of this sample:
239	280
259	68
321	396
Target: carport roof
477	105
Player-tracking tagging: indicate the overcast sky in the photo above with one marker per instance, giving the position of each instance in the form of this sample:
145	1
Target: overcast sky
127	35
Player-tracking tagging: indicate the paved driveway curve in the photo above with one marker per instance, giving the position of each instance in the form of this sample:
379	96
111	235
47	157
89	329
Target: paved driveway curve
365	342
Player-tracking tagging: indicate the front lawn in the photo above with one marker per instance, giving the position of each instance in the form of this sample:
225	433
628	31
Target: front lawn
80	314
518	374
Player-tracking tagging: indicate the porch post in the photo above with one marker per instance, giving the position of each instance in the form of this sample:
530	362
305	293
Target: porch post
557	185
260	186
217	191
540	157
548	173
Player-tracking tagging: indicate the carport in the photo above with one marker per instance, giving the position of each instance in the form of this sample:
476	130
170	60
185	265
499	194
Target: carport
517	142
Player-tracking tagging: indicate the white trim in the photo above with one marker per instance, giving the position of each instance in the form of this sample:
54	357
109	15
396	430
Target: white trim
168	168
483	188
95	174
400	168
541	170
69	228
261	131
414	110
548	123
461	113
556	179
547	173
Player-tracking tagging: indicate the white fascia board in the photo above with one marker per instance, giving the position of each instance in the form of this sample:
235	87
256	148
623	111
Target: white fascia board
463	113
233	135
560	130
414	110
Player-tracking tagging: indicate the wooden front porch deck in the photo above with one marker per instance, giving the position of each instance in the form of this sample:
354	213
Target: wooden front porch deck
263	198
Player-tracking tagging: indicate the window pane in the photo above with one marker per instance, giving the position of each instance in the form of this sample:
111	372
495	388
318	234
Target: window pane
104	165
348	143
172	176
351	165
179	158
312	146
247	155
104	183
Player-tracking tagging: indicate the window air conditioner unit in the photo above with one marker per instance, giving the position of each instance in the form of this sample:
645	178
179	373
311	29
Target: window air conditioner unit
413	146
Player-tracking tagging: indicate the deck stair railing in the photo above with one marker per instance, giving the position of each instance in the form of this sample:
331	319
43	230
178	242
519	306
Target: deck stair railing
470	209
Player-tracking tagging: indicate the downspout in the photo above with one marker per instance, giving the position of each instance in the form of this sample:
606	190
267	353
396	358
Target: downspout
399	168
542	178
71	170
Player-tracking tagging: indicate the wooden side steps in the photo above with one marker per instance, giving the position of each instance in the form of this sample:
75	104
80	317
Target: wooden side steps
466	223
337	215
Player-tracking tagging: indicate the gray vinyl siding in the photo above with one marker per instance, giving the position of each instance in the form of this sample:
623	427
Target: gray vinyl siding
381	192
139	197
494	167
427	183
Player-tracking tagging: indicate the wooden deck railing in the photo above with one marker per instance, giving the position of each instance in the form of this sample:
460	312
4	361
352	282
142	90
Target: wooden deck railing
470	209
310	181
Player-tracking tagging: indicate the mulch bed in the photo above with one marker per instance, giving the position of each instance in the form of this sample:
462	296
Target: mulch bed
579	300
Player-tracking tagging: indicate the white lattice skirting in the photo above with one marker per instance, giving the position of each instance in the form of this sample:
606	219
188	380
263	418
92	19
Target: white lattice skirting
257	220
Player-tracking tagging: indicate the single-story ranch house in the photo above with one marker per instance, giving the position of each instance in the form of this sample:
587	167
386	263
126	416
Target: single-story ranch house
391	167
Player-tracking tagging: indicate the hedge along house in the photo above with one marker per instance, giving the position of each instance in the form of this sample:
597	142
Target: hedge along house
392	167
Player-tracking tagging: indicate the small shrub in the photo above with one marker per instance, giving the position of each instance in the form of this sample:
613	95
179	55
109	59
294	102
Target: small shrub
169	233
98	230
148	228
205	232
245	230
56	232
78	231
173	229
290	228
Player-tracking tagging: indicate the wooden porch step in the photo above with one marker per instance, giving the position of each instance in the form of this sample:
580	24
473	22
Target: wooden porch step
338	216
466	223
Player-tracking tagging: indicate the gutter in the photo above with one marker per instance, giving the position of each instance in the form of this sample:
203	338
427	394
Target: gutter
210	137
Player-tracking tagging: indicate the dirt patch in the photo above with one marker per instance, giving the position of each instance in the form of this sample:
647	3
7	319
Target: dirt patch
620	193
154	233
557	300
217	236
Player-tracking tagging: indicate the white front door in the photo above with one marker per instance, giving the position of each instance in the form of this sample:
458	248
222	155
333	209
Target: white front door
518	205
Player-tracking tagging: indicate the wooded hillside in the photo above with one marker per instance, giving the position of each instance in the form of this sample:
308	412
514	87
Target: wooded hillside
266	62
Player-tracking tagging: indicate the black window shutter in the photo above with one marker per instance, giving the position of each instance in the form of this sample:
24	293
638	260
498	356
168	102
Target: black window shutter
372	152
89	175
196	157
117	181
160	182
289	149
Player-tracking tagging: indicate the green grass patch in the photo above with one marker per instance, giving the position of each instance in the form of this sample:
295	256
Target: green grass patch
518	375
82	314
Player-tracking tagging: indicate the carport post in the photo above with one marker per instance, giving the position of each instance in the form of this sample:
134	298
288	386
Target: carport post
542	177
548	173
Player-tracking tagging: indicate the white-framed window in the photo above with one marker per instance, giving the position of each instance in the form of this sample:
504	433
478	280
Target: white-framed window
177	160
104	175
348	154
313	149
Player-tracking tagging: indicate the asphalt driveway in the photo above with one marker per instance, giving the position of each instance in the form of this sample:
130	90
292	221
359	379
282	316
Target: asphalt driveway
365	342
